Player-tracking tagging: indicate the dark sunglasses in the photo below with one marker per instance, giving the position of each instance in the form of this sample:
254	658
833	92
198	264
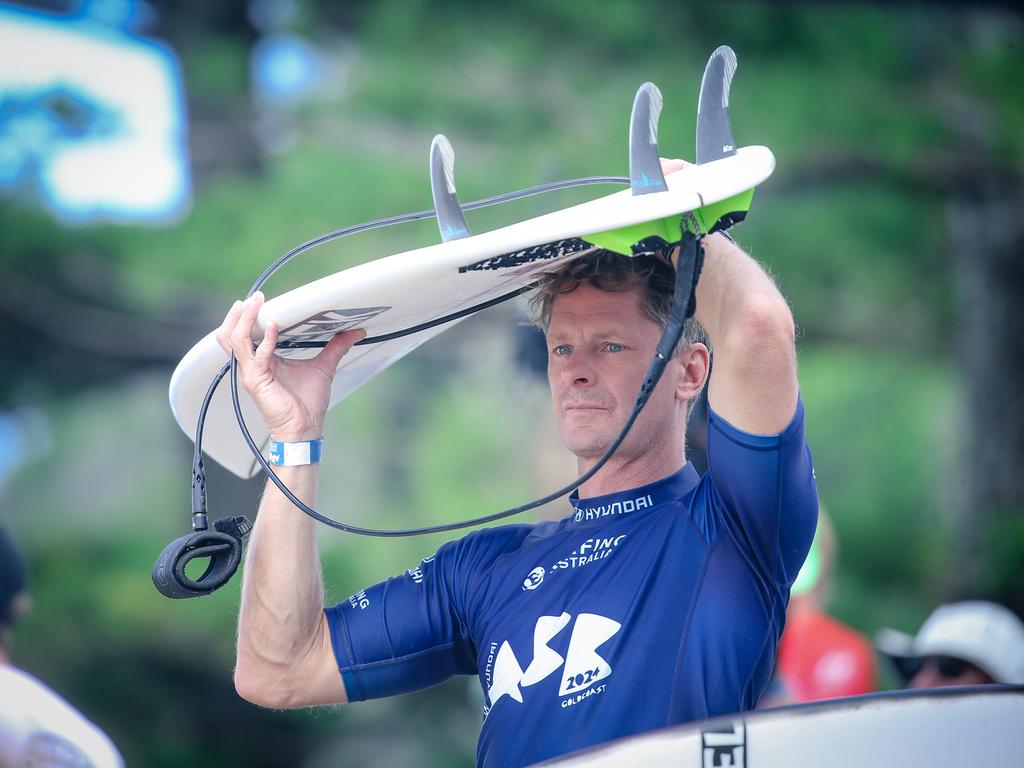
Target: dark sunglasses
946	666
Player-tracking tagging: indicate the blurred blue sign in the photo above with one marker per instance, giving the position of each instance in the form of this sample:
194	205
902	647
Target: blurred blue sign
285	68
92	120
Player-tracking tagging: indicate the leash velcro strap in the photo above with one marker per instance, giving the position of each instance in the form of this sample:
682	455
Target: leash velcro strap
223	548
688	268
684	305
689	263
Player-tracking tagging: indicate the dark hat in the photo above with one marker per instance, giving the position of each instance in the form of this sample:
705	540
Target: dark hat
13	575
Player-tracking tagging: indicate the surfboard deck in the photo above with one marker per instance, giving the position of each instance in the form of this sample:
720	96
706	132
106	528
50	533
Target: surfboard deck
940	728
410	288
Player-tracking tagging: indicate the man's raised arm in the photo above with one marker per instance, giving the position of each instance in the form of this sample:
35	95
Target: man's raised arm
285	658
753	381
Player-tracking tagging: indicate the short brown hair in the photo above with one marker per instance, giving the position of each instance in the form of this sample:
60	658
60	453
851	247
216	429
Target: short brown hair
652	277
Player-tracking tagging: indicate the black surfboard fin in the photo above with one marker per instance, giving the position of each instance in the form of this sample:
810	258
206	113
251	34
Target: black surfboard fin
450	218
644	160
714	130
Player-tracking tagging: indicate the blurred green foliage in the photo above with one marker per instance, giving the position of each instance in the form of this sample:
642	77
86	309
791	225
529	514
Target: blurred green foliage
858	102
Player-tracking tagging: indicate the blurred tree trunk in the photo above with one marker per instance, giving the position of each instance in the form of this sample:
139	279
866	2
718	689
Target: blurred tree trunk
987	241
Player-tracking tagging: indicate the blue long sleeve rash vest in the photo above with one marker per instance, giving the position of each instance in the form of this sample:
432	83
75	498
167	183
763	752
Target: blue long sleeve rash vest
640	609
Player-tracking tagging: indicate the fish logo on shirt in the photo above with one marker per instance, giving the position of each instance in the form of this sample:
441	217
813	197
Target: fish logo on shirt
581	667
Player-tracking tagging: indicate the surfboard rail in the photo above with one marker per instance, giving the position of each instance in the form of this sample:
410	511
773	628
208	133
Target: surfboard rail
937	728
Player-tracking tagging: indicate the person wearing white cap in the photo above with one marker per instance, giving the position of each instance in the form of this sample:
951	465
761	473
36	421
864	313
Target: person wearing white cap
969	643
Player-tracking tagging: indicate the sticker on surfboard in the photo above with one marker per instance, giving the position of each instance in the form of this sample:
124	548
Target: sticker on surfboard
534	253
325	325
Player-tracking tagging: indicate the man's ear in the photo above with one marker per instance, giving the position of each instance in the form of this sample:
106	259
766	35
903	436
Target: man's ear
696	364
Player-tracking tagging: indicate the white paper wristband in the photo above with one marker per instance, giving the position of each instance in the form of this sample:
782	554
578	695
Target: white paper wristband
295	454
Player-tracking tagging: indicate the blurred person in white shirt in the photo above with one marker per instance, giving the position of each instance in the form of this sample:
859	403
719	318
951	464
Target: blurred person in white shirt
38	727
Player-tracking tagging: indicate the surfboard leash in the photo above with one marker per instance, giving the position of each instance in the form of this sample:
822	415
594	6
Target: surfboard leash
690	259
223	544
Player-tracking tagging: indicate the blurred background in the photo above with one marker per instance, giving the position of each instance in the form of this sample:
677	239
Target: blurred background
156	156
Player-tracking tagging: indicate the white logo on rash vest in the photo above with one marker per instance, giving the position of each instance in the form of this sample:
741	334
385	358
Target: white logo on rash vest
359	600
581	668
417	573
588	551
535	577
615	508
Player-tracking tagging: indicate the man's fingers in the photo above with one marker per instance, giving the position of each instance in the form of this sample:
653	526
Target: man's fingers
224	332
337	347
675	164
265	350
241	334
235	335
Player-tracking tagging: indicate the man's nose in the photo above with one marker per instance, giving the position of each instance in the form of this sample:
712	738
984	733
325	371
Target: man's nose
578	371
927	678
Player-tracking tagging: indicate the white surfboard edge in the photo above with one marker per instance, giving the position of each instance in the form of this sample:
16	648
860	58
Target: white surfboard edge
938	728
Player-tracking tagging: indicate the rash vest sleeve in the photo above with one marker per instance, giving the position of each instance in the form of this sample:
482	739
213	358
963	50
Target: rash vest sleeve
764	491
411	631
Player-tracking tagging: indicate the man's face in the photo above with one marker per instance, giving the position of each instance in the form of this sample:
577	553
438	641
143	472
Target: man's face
945	671
599	347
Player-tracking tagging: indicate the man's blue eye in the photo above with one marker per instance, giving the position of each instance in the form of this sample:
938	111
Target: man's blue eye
562	349
611	346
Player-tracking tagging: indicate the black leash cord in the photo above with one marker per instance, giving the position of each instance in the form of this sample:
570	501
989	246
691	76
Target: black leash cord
223	545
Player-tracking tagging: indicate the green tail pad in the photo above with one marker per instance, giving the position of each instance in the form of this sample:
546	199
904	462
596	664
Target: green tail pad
710	215
622	239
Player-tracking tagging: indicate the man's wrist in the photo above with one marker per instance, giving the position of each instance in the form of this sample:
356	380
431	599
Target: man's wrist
720	237
295	453
297	433
296	436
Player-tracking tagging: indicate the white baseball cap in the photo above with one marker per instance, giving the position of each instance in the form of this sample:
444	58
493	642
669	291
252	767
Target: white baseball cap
986	634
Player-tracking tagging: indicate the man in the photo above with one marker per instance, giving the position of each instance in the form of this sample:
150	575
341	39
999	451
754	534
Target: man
37	727
970	643
658	599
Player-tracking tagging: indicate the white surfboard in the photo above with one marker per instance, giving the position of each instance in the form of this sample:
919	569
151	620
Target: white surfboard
404	290
940	728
